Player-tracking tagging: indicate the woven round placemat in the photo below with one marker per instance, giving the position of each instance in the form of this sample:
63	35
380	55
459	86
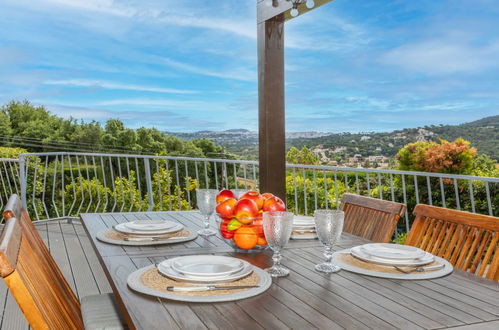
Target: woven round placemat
112	236
149	281
348	262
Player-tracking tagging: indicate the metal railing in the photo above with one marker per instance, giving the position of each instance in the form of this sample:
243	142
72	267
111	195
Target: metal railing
63	185
9	179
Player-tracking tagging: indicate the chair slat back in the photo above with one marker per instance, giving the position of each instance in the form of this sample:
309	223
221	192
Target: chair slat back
371	218
469	241
33	277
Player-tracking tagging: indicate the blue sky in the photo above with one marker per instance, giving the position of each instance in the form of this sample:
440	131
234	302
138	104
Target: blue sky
352	65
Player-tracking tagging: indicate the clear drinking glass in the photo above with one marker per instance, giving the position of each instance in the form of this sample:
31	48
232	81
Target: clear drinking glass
277	227
329	225
206	201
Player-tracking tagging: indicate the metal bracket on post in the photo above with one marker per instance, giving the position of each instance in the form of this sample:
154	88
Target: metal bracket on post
22	179
149	184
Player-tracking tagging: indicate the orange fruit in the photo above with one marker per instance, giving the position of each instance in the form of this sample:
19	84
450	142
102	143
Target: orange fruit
245	237
261	241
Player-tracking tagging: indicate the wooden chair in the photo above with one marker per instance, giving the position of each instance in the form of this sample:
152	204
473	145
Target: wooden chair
37	284
371	218
469	241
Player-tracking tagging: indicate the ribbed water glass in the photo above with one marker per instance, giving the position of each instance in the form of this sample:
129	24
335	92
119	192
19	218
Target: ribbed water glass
277	227
206	201
329	225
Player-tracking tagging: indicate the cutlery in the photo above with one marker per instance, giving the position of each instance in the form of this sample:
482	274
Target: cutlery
304	231
419	269
208	288
149	239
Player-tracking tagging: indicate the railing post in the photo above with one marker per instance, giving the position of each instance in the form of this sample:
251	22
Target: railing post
148	184
22	179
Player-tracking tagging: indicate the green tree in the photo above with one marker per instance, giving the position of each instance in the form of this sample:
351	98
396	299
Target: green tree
304	156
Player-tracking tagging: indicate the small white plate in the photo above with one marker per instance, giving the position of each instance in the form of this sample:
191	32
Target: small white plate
124	229
303	219
206	265
303	227
358	253
166	269
312	236
148	225
393	251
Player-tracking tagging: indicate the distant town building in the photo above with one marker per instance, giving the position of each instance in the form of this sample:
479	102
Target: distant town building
365	138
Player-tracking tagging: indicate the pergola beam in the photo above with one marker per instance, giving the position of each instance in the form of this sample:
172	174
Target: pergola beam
265	12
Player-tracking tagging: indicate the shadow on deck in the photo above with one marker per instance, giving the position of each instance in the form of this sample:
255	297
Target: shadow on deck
69	245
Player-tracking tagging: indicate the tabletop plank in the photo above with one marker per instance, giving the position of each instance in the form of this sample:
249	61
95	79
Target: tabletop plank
304	299
472	313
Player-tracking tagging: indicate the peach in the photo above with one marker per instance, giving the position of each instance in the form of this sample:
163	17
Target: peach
274	204
225	208
245	211
223	195
255	197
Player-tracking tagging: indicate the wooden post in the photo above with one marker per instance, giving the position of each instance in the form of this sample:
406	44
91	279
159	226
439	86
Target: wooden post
272	152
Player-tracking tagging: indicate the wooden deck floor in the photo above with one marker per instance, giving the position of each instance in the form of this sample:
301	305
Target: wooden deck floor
73	252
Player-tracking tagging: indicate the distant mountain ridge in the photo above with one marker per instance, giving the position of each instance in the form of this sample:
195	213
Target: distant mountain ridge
483	134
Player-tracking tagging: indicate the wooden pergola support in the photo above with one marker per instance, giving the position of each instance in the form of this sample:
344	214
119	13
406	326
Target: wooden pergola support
271	106
271	98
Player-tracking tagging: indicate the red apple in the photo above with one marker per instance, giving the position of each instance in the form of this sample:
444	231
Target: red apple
255	197
274	204
224	230
226	208
224	194
245	211
267	196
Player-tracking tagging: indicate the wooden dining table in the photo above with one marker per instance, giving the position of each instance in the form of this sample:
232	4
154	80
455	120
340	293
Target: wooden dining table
303	300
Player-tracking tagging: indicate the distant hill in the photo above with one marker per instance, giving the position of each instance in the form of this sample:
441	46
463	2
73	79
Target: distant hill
483	134
240	141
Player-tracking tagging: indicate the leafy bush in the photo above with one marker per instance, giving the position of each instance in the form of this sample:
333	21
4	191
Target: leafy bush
444	157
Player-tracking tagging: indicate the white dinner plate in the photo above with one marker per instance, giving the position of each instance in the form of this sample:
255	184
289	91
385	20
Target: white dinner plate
393	251
124	229
206	265
303	227
311	236
358	253
165	268
148	225
301	219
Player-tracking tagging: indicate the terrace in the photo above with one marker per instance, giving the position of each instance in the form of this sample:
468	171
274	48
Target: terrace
58	187
72	197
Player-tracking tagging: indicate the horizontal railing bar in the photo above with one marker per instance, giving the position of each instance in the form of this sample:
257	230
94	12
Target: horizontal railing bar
372	170
249	162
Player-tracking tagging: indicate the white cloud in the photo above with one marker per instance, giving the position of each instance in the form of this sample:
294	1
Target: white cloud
443	57
167	103
111	85
237	74
166	13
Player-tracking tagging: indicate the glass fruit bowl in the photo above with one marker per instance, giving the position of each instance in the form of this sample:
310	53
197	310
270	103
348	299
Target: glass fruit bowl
241	221
245	236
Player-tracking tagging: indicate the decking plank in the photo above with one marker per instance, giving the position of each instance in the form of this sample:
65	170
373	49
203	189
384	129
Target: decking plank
85	282
13	318
59	252
93	261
